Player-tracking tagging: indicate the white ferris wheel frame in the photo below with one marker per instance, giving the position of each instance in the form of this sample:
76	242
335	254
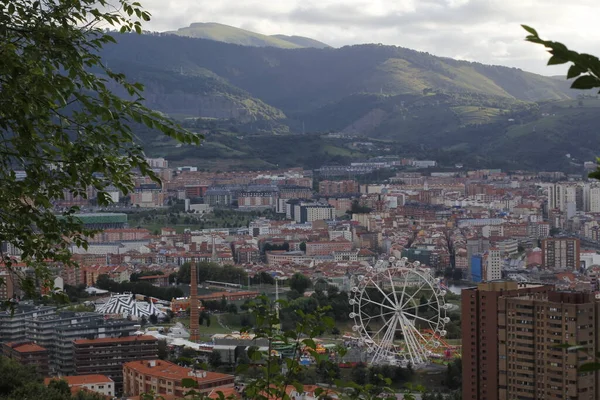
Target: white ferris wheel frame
399	311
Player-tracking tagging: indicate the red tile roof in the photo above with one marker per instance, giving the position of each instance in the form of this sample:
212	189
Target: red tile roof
168	370
77	380
26	347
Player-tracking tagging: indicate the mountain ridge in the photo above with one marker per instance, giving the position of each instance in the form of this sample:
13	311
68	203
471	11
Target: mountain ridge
249	100
296	79
233	35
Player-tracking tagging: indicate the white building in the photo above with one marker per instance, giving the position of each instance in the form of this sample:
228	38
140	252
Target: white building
493	268
157	162
595	200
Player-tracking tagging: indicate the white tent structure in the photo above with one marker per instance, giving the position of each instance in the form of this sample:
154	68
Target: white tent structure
126	305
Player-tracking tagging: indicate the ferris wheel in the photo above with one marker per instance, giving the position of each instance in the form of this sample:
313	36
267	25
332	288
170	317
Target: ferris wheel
399	312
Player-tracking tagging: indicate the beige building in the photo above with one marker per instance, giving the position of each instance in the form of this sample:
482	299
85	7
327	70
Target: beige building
164	378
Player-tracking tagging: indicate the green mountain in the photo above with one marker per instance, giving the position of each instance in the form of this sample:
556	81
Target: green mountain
304	79
249	100
233	35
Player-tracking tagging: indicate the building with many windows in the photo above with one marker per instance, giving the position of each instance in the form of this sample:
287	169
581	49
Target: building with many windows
164	378
28	353
330	188
480	326
106	356
15	323
531	328
56	332
561	253
326	248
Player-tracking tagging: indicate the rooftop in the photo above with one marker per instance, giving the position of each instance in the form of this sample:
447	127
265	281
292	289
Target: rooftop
25	347
168	370
77	380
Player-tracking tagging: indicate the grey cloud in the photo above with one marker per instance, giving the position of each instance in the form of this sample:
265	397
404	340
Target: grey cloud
484	30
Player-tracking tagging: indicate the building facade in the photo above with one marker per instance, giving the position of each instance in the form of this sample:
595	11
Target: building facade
28	353
561	253
531	329
106	356
480	326
330	188
326	248
164	378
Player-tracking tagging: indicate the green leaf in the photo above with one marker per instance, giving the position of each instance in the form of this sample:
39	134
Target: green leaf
530	30
585	82
574	71
555	60
298	386
254	354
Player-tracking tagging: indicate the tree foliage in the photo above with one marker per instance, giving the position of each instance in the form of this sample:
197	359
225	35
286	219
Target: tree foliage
262	278
209	271
214	359
300	283
144	288
19	382
60	123
584	68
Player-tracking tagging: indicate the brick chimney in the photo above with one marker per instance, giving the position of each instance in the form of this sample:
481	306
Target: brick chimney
194	325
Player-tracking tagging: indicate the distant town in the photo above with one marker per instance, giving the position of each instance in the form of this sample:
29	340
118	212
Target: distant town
318	237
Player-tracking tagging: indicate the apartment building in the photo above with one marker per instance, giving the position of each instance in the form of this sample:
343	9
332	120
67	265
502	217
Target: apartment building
29	354
14	323
106	356
561	253
314	212
329	188
326	248
164	378
493	266
531	327
480	326
257	199
56	332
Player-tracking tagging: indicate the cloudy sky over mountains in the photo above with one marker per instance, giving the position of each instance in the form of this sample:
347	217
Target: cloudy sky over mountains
487	31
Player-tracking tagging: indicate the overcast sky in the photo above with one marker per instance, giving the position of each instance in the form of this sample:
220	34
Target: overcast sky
487	31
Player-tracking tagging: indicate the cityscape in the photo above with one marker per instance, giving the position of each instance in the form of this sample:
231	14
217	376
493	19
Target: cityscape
404	204
489	263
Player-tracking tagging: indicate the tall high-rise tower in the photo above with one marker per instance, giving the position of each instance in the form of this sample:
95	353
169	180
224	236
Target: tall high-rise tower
481	325
194	323
214	257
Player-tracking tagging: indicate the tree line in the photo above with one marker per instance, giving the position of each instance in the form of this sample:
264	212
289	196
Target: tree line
144	288
209	271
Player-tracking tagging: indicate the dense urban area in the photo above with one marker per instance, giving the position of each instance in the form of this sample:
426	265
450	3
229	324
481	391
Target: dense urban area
499	260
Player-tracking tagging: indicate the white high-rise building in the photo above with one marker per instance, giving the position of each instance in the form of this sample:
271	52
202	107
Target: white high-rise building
595	200
493	270
566	197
